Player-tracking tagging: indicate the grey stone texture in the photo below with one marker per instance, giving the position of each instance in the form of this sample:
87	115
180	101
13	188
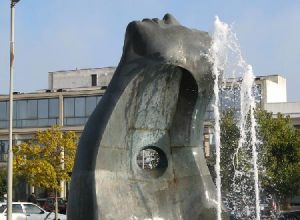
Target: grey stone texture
157	97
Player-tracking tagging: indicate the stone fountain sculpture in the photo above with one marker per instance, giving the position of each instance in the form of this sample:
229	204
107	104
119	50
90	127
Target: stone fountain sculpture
155	101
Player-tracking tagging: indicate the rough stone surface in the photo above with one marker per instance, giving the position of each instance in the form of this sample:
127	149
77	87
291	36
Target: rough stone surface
157	97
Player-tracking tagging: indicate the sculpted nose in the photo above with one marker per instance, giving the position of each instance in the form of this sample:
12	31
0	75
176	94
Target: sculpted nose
146	19
156	20
170	19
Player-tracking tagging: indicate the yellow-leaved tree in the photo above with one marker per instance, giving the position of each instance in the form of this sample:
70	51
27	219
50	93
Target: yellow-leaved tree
46	159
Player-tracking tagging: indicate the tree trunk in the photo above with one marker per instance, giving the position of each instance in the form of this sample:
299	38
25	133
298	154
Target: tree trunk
285	205
56	206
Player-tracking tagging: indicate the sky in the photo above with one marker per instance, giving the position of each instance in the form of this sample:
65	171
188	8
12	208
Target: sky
53	35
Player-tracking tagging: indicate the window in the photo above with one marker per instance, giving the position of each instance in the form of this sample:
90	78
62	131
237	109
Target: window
258	94
21	109
78	109
94	79
3	110
53	108
3	146
17	208
3	150
228	99
30	113
2	208
32	209
32	109
90	104
43	108
4	114
69	107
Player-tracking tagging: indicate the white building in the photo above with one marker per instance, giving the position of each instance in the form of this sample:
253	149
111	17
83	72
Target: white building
291	109
69	101
72	96
80	78
274	98
273	88
270	95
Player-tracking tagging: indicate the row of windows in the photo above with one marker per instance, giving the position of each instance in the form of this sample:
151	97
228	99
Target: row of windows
30	113
30	109
230	98
78	109
45	112
3	150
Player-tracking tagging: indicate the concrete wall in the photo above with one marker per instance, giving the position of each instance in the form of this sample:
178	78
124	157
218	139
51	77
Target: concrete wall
287	108
81	78
274	89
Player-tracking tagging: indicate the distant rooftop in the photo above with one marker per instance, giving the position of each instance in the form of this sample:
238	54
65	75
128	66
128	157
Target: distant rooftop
83	69
80	78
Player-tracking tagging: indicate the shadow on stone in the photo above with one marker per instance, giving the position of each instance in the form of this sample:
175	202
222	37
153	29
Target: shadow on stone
140	155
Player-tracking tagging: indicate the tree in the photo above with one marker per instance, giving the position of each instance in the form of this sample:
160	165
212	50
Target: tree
280	152
229	143
47	159
3	181
229	138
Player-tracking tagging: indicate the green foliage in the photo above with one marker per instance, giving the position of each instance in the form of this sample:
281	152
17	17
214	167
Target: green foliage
281	154
3	181
47	159
229	143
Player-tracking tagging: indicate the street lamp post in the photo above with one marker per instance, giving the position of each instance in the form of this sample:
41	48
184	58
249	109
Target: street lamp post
11	71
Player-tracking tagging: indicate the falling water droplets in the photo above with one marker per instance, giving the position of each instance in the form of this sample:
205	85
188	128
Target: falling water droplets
228	63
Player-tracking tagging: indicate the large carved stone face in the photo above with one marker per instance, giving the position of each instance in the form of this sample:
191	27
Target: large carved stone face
165	39
169	42
156	100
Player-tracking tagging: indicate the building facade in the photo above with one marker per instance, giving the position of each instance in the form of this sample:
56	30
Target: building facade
72	96
80	78
68	107
291	109
270	95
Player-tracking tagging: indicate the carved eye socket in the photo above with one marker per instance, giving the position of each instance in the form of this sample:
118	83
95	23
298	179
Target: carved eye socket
152	160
